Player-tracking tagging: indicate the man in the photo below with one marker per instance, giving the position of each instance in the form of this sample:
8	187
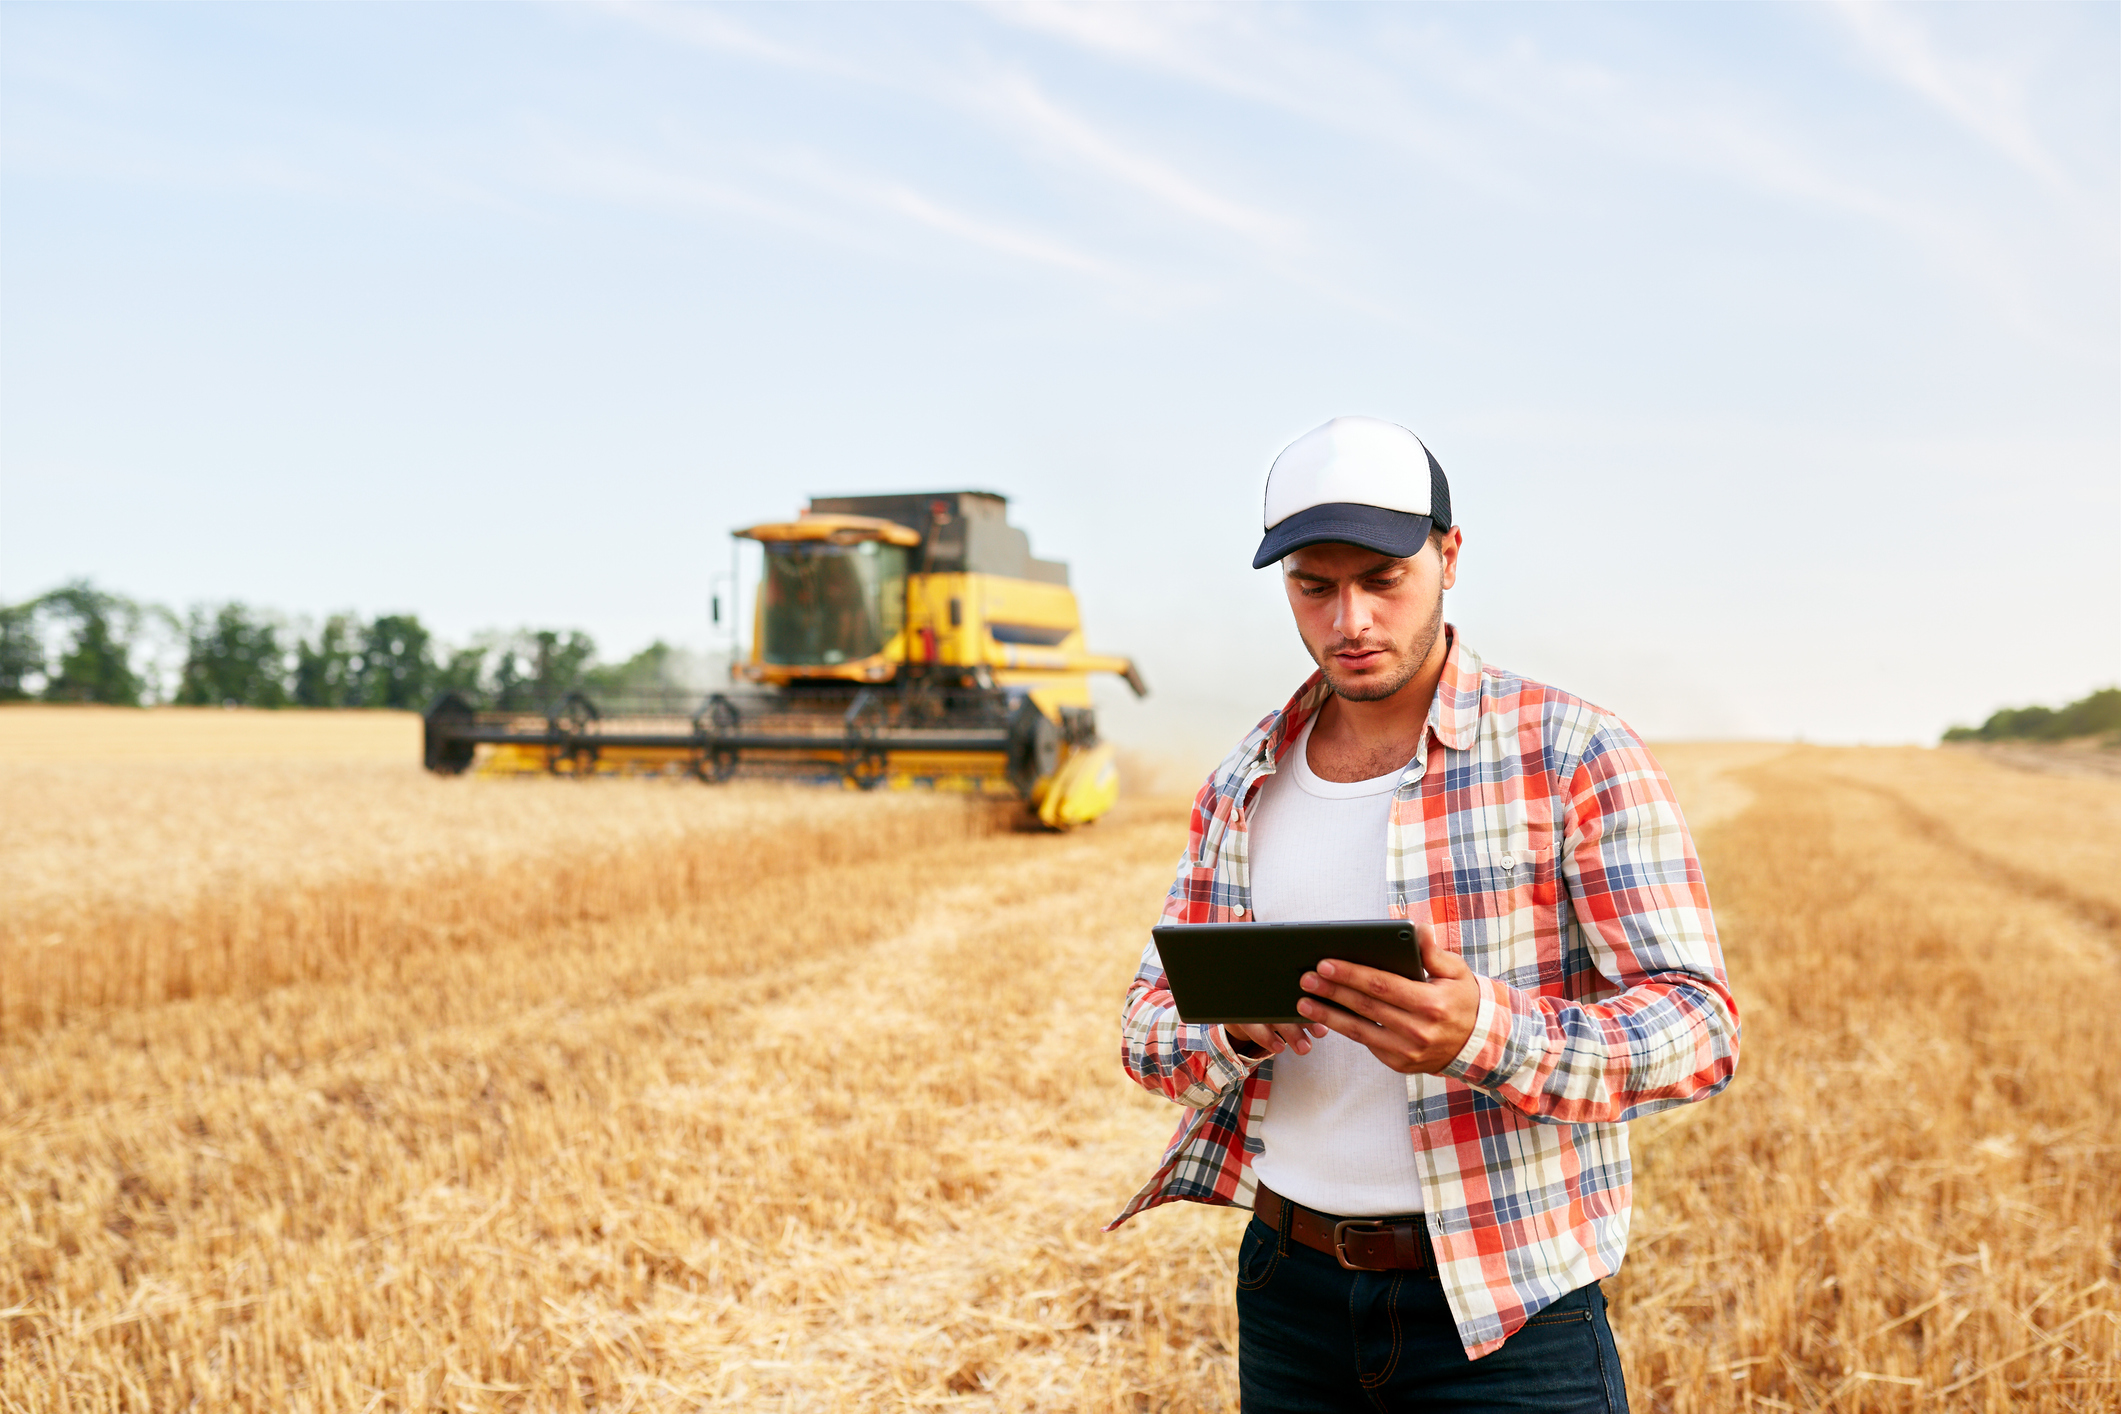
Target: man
1475	1121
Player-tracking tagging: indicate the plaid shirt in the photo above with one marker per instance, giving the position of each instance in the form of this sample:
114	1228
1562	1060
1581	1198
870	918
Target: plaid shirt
1539	837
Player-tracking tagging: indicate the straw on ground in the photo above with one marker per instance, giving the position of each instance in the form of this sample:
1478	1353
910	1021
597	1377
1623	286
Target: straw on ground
328	1085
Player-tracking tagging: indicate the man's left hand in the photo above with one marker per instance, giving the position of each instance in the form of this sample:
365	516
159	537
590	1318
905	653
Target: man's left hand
1410	1026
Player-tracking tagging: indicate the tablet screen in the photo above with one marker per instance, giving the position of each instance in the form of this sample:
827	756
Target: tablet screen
1250	972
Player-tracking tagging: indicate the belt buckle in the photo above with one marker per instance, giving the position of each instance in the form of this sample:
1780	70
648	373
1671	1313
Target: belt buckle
1340	1240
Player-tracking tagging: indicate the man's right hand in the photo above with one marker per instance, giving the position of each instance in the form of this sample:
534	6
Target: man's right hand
1259	1041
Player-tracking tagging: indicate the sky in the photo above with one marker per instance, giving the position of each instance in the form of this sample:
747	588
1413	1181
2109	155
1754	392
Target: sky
1773	351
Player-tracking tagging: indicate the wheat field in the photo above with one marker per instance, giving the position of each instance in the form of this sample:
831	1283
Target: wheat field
328	1085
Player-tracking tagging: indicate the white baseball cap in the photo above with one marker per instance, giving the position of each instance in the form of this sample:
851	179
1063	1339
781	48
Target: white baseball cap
1358	481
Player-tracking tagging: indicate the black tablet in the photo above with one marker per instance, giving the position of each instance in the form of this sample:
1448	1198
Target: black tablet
1250	972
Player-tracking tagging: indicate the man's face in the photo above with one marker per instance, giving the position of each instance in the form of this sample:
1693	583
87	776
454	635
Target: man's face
1370	621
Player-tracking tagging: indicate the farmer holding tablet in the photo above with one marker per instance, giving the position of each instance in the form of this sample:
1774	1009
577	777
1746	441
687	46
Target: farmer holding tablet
1437	1169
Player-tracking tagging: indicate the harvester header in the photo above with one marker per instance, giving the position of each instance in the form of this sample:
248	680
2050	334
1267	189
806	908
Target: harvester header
906	640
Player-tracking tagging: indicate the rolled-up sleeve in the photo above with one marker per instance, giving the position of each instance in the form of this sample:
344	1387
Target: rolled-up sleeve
1193	1065
1639	905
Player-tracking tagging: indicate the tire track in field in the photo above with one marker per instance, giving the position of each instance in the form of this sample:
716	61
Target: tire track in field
2094	913
256	938
703	957
528	1153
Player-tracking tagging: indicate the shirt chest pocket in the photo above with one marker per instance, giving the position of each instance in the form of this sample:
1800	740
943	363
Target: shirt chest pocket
1497	898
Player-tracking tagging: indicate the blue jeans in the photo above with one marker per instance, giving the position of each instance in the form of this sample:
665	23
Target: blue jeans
1316	1337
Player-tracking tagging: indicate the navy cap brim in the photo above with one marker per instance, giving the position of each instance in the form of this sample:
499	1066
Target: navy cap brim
1396	533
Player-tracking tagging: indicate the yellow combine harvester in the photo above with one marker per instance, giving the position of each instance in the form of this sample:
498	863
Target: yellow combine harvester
897	640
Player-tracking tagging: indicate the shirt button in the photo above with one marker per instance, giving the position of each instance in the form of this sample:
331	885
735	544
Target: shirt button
1509	861
1237	913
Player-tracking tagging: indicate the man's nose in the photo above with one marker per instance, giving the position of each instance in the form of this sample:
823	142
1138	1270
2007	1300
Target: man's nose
1354	613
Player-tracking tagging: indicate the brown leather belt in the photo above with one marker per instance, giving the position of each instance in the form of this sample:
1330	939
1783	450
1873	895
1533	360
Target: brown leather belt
1359	1244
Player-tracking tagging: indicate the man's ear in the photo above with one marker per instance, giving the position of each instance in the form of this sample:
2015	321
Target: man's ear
1447	547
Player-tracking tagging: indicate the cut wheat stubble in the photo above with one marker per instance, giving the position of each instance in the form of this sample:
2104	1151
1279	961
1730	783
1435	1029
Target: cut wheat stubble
843	1135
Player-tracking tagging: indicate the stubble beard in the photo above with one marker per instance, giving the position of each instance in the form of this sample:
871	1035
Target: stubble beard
1377	689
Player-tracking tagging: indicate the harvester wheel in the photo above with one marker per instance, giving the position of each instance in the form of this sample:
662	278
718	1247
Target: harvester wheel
712	763
1034	748
574	721
867	770
447	753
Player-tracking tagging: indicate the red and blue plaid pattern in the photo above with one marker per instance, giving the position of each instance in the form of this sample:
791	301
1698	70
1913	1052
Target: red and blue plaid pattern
1537	834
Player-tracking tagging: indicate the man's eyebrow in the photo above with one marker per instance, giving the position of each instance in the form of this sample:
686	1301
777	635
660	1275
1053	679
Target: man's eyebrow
1389	562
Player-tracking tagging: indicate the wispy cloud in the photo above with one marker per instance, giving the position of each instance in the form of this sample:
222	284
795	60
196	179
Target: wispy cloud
1722	135
705	28
1511	112
1985	100
798	191
865	194
1017	108
1021	103
626	177
1415	83
1253	56
1729	147
990	235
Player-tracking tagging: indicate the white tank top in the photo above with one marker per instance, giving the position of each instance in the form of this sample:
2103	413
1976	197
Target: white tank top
1336	1131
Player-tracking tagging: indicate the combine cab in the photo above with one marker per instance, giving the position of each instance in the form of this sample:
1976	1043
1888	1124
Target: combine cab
898	640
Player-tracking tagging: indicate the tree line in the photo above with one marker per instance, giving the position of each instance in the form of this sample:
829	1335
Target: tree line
79	643
2091	715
